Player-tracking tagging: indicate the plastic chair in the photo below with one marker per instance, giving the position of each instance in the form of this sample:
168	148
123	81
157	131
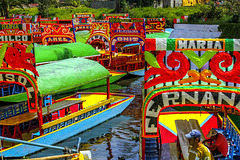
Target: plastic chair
17	109
17	89
55	115
47	100
9	111
2	114
6	89
37	134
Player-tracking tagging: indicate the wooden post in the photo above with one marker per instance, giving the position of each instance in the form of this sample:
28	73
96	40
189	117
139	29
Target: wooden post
110	60
108	90
145	90
40	117
225	116
154	76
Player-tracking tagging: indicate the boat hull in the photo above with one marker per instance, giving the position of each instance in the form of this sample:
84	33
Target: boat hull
139	72
68	131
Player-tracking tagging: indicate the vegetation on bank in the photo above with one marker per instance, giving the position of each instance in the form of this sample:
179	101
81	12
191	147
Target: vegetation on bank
215	15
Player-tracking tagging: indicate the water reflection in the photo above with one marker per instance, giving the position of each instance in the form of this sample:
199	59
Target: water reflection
116	138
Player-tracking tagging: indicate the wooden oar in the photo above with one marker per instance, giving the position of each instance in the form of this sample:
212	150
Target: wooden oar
86	154
34	144
55	157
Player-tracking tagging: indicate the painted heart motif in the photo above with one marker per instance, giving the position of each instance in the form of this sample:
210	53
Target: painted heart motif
199	61
126	25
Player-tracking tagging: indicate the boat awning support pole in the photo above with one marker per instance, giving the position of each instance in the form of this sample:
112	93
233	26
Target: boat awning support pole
40	117
225	117
110	59
108	90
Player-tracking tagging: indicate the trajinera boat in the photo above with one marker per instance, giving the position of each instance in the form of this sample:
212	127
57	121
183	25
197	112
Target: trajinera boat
192	84
29	108
121	42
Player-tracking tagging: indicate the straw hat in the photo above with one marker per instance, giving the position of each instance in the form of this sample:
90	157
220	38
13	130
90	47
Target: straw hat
211	133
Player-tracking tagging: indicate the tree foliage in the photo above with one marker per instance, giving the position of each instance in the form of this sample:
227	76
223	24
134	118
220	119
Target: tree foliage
233	8
7	5
43	7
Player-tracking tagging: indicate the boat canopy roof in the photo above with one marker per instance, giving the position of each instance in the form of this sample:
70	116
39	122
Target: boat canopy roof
68	74
63	51
158	35
63	75
133	44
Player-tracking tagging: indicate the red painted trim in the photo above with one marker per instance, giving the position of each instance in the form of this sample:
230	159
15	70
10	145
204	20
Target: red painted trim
108	88
40	117
143	148
187	112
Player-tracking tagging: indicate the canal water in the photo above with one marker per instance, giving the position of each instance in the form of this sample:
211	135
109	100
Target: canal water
116	138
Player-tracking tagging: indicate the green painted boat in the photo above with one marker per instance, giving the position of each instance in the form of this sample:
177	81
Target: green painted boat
67	75
63	51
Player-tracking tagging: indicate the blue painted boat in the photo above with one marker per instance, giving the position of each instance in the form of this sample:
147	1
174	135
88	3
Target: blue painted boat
38	116
70	125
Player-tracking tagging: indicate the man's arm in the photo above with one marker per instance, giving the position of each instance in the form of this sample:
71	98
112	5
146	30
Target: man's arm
212	148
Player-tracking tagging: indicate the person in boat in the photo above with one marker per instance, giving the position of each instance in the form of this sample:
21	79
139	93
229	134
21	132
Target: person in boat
218	144
196	149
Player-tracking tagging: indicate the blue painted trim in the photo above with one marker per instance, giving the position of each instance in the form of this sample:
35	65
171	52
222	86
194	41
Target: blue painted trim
168	128
66	132
139	72
210	116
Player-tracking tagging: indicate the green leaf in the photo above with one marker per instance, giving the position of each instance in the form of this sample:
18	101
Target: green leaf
29	48
2	52
199	61
149	57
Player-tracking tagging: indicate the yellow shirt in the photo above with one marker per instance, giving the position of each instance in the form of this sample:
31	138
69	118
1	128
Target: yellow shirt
200	153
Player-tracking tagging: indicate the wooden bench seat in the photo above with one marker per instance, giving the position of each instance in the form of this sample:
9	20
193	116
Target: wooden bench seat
60	105
63	119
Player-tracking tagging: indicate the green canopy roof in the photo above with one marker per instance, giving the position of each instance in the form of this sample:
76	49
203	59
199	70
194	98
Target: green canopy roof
68	74
65	75
158	35
63	51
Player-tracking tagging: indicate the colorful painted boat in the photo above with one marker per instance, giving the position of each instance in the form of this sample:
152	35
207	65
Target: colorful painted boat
123	49
191	84
39	113
111	36
63	76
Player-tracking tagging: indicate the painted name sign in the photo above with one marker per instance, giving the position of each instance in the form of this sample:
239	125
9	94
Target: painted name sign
74	120
10	26
8	77
127	39
126	31
48	39
88	27
48	22
119	20
191	44
27	38
185	98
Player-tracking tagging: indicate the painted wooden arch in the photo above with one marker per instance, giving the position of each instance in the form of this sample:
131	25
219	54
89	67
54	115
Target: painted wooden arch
24	79
192	96
127	38
102	38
